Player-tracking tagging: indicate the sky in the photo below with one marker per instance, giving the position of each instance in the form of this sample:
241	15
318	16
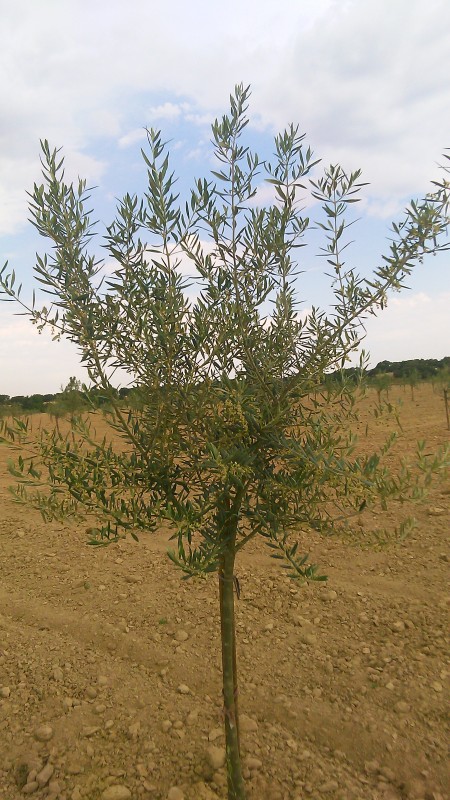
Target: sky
366	80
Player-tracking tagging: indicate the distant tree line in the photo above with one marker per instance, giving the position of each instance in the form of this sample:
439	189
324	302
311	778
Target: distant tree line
72	398
68	400
424	368
421	369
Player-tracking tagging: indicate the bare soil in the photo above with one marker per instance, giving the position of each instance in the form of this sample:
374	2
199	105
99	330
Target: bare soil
110	664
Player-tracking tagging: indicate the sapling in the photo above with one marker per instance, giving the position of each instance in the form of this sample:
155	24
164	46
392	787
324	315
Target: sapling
232	430
381	383
413	379
444	381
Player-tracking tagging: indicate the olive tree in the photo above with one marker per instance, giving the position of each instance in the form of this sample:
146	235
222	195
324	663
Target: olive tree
234	431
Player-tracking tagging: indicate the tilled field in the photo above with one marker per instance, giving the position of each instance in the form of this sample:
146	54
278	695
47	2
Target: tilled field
110	686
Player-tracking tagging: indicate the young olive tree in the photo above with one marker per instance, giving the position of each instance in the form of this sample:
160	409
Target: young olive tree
443	378
233	431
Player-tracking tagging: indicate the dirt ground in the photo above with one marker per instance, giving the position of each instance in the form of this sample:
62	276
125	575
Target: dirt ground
109	663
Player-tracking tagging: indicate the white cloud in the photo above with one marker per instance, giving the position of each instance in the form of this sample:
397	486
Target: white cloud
265	195
81	165
32	362
15	176
199	119
167	111
367	79
369	84
413	326
195	154
18	176
133	137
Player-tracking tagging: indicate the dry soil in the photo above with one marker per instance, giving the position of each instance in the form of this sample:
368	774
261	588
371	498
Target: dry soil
110	684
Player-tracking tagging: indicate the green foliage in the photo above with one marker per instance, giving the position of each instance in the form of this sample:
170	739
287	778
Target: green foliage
233	429
381	383
69	401
443	382
424	368
10	410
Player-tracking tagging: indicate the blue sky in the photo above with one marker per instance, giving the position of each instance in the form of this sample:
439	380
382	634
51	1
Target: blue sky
367	81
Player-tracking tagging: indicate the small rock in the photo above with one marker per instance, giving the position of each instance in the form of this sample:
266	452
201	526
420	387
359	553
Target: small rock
31	787
402	707
116	792
44	733
297	619
192	718
175	793
308	638
329	786
58	674
134	730
387	773
437	686
216	733
181	636
166	725
91	692
329	594
247	725
253	763
132	578
90	730
183	689
204	792
436	511
45	774
398	626
75	768
216	757
5	691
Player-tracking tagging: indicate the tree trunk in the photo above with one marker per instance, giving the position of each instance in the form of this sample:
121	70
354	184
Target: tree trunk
236	788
